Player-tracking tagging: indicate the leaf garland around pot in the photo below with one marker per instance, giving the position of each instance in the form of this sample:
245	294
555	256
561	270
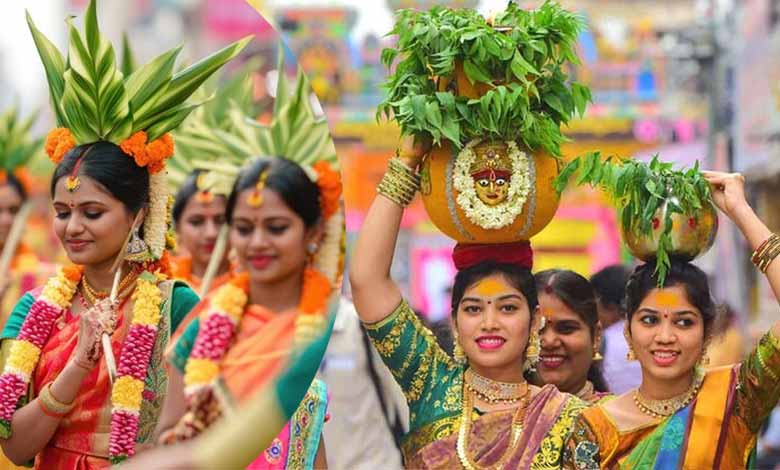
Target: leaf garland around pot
516	63
664	212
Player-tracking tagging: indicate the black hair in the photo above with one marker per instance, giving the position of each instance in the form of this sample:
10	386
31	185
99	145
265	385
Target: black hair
518	277
680	273
576	293
14	182
184	194
609	285
288	180
112	168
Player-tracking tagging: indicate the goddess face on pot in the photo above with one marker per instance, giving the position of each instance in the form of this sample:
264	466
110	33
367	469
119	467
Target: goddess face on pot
492	174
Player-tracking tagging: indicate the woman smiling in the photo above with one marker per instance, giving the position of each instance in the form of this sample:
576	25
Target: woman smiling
681	416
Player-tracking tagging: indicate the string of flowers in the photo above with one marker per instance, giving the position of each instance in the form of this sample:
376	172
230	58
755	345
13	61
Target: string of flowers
327	259
219	326
127	392
26	350
477	211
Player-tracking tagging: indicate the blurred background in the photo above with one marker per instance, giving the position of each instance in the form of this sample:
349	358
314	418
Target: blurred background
689	79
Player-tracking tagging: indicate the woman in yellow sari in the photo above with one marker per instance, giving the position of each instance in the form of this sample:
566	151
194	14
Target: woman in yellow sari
680	416
475	410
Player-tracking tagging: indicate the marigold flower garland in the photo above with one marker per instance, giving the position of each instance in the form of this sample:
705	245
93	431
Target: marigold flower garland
127	391
477	211
219	326
26	350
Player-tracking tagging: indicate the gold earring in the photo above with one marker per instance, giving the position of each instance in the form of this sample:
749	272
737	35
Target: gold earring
532	349
137	249
457	351
597	356
630	355
704	360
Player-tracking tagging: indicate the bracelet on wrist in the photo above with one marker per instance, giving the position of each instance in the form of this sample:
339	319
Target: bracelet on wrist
51	405
766	253
400	183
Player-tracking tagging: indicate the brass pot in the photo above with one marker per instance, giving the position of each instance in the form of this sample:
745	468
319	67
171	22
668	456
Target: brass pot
692	235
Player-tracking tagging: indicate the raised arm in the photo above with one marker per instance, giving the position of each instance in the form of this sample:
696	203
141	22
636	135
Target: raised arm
728	193
373	290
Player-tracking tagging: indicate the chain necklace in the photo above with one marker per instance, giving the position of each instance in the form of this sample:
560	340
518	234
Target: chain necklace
493	391
669	406
93	295
464	430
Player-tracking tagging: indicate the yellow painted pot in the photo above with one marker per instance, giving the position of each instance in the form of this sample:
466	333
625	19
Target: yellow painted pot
441	199
441	196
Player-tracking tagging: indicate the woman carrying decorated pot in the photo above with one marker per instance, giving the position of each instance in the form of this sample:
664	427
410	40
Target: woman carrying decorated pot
66	401
569	357
285	226
486	101
681	416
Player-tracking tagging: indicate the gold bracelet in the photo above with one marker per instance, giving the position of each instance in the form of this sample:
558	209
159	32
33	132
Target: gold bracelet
50	402
400	183
766	253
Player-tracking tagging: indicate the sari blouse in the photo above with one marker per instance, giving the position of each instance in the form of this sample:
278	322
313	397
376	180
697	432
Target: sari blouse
717	430
81	439
432	383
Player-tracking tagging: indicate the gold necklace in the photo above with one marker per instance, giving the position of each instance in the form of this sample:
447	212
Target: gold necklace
464	431
94	296
493	391
669	406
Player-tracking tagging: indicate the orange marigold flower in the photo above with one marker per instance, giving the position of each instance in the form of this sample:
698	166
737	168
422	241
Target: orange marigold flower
158	151
3	177
58	142
316	289
135	146
241	280
73	272
329	183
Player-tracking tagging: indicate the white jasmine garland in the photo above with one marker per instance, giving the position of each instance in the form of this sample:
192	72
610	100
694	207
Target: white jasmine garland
478	212
155	226
328	255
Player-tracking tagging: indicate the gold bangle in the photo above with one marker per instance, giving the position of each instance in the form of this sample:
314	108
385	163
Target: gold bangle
50	402
766	253
400	183
770	256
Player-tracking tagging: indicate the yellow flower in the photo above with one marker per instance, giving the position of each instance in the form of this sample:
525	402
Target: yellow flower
59	291
127	393
147	300
231	300
200	371
23	357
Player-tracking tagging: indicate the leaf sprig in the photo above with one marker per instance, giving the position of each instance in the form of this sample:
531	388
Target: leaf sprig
521	57
640	189
95	100
17	148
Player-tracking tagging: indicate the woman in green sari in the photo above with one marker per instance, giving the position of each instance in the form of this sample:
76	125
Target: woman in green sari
475	410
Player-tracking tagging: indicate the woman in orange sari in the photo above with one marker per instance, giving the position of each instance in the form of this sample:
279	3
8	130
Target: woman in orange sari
198	216
245	332
683	416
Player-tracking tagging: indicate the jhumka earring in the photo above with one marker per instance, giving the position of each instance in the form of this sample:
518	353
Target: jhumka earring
533	347
630	355
597	355
457	351
137	249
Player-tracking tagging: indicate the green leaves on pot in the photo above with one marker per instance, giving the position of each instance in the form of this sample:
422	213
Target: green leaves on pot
521	58
16	146
98	99
640	189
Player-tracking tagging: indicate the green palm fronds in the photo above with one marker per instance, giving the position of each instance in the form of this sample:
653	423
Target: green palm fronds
16	146
93	98
295	132
197	145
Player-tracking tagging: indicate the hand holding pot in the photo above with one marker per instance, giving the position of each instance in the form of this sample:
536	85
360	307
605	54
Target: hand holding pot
413	149
728	192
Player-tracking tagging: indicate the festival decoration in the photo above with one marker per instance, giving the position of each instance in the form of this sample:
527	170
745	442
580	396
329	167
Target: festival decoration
664	212
492	96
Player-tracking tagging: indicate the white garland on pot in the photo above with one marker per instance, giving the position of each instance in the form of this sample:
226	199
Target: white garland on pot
478	212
